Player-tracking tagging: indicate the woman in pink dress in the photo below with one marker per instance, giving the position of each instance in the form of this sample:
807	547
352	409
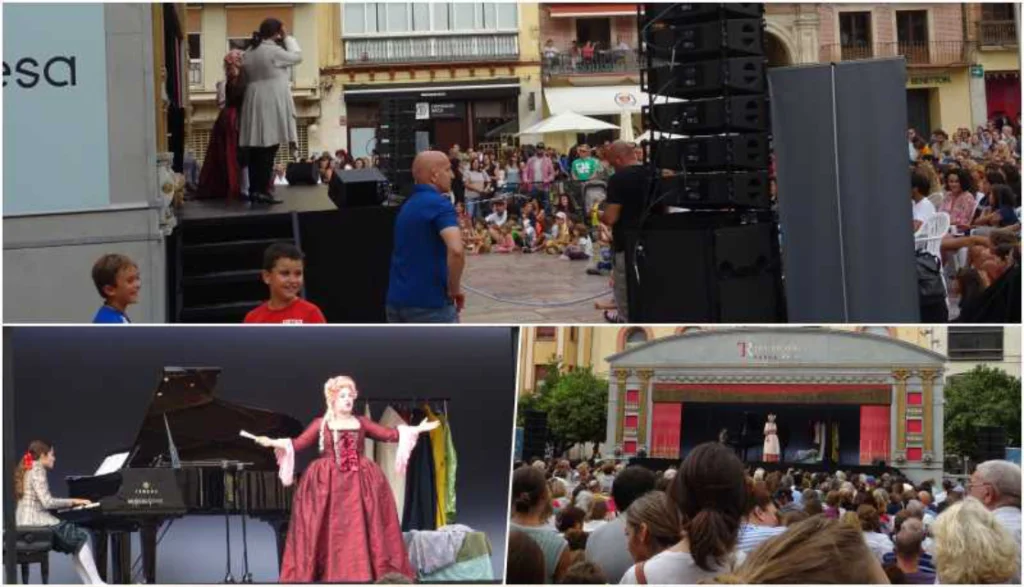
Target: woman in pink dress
344	526
960	201
771	441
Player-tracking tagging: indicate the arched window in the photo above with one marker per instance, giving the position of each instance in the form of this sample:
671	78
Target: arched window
635	336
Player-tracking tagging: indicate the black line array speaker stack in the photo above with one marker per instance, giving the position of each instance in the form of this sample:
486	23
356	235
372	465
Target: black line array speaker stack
703	67
535	435
991	443
396	142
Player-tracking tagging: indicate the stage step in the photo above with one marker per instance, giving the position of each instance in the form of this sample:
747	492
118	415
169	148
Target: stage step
230	313
219	247
223	277
218	265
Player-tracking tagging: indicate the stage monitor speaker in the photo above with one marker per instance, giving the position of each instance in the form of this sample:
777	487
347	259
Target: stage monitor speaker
713	116
991	443
705	267
838	132
706	79
689	12
747	189
740	37
358	187
712	153
535	435
302	173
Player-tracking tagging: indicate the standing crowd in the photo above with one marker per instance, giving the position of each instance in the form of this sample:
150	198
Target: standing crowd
711	520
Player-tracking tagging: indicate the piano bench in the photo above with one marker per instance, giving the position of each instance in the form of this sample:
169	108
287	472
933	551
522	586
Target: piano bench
34	546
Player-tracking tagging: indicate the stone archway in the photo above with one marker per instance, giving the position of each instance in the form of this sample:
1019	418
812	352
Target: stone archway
776	51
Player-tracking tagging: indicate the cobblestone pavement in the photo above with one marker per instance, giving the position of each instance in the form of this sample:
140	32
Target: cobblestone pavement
533	278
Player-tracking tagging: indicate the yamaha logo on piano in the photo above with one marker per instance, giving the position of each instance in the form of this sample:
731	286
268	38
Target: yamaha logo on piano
145	495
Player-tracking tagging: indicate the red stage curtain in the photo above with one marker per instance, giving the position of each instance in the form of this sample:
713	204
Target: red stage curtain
874	433
667	422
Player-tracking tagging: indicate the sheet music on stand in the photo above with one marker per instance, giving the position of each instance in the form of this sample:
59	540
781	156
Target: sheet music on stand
112	463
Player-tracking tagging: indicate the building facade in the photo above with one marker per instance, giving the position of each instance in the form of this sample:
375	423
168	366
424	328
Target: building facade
602	81
214	29
993	30
473	69
842	398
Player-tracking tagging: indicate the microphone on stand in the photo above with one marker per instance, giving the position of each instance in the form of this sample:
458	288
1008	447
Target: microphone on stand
228	577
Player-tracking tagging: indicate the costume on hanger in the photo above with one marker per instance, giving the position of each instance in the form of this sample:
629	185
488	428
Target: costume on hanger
386	453
420	511
445	464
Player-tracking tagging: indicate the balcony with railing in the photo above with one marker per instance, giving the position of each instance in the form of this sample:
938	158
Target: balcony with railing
433	49
932	54
195	72
997	33
602	63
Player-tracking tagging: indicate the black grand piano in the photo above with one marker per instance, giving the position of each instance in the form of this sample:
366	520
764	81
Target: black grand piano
187	459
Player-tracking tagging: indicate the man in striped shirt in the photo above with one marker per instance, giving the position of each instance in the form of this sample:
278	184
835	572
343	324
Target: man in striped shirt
761	522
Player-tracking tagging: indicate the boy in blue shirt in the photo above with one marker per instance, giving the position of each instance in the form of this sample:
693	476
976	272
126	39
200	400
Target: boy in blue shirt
117	280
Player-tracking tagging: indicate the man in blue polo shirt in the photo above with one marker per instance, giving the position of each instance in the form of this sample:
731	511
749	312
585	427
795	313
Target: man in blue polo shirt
428	258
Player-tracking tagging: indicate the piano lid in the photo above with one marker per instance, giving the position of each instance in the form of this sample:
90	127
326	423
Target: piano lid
204	427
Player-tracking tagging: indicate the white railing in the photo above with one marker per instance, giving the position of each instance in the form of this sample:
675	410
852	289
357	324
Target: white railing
434	48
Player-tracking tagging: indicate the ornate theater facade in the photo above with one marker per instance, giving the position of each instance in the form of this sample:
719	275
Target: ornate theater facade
842	399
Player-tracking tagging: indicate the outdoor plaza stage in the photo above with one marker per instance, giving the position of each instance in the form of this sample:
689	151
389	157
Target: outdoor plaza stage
843	400
215	255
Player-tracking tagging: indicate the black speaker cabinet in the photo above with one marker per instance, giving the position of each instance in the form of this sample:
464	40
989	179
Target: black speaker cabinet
535	435
302	173
358	187
705	267
991	443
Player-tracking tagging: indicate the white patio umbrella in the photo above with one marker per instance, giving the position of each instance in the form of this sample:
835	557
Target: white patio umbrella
567	121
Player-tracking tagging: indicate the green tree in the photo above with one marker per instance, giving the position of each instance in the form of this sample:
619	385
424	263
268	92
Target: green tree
577	408
536	400
982	397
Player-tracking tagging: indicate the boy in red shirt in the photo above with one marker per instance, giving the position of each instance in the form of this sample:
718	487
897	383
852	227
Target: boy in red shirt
282	272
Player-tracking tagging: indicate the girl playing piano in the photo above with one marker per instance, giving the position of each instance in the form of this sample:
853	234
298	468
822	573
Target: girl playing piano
32	491
344	525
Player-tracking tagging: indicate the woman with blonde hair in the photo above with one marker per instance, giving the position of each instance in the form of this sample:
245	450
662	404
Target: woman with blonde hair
971	546
817	550
935	192
342	528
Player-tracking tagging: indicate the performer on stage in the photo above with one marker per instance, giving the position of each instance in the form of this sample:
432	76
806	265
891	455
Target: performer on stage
268	111
344	525
221	176
770	454
32	491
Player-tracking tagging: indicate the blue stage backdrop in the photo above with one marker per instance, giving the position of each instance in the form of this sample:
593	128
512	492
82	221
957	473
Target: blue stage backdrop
86	389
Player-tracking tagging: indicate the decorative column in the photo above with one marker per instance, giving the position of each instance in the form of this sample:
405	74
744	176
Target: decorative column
620	376
899	451
928	377
645	393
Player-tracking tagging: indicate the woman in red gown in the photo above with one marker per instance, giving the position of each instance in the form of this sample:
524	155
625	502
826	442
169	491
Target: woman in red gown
221	174
344	525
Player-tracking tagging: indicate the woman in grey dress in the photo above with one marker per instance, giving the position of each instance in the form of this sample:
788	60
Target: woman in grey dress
268	112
